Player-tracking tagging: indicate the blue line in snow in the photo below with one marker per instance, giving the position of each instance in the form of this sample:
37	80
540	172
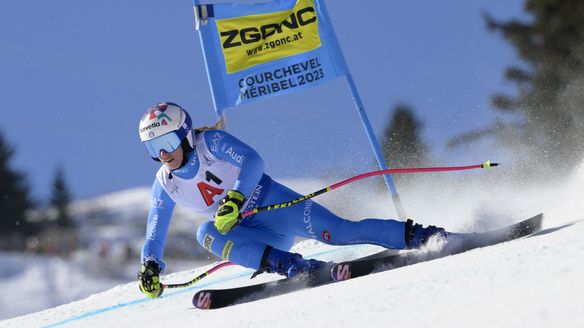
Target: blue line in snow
142	300
171	294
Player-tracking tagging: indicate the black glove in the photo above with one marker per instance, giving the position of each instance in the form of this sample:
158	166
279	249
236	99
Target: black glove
149	279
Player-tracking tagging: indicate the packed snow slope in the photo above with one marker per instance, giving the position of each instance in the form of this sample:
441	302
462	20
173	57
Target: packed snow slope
532	282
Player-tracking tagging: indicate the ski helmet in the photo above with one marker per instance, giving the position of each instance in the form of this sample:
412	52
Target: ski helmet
164	127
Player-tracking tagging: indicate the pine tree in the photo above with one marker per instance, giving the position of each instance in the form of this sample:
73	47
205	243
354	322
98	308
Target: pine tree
14	199
60	201
550	86
402	144
59	236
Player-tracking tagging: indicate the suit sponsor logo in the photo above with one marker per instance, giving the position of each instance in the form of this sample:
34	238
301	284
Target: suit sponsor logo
208	241
156	202
215	140
227	250
253	199
154	223
307	218
208	160
235	156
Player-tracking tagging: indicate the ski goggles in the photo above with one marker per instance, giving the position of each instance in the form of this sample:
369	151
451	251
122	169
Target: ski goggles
168	142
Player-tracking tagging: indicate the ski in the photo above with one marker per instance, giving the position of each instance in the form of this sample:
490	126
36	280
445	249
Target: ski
219	298
458	243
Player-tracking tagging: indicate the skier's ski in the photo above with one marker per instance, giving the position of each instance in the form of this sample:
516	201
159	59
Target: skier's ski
457	243
218	298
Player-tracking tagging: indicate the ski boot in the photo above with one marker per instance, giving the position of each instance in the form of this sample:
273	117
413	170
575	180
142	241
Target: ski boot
416	236
286	263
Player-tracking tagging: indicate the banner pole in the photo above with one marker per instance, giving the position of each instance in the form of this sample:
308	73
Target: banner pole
376	148
198	22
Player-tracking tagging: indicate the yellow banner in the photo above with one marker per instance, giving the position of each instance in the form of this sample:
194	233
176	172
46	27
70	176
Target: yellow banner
255	39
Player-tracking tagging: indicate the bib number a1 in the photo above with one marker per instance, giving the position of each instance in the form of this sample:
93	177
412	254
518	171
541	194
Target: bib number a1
208	192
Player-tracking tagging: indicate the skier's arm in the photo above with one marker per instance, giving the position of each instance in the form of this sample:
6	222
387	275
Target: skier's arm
161	209
226	147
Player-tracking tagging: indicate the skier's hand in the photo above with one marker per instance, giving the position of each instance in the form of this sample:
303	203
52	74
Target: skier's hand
228	216
149	279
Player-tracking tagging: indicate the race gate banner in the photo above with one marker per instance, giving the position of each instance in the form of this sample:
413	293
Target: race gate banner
262	50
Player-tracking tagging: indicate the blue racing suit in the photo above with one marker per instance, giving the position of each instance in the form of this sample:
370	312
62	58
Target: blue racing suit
219	163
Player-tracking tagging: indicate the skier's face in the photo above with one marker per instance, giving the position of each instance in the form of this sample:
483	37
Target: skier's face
172	160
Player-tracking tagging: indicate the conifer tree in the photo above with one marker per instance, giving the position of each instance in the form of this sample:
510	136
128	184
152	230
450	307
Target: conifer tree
60	201
402	144
549	97
14	199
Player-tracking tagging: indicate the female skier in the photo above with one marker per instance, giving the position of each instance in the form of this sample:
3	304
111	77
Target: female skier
220	177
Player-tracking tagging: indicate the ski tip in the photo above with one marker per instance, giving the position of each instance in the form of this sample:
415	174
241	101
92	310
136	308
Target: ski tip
527	227
539	219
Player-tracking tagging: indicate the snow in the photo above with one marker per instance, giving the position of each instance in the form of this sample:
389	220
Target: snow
535	282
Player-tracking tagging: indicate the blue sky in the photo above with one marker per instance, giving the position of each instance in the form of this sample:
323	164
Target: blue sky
75	77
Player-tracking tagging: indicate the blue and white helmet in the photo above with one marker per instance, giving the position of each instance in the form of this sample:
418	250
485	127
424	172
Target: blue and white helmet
164	127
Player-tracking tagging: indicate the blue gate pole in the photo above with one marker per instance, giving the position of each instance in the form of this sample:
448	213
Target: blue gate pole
376	148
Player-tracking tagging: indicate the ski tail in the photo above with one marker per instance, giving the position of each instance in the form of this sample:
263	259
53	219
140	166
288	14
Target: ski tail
218	298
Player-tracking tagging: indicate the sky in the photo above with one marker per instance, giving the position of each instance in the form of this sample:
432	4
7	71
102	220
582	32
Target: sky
76	76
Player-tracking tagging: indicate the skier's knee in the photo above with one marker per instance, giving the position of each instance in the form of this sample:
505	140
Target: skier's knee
206	228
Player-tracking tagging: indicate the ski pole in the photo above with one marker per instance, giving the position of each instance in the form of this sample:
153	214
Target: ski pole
199	277
485	165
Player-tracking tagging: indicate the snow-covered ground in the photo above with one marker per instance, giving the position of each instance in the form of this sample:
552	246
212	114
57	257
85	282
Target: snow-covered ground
535	282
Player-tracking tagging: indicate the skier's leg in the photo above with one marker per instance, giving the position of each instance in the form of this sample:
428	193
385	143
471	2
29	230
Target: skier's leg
252	248
311	220
387	233
332	229
242	245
